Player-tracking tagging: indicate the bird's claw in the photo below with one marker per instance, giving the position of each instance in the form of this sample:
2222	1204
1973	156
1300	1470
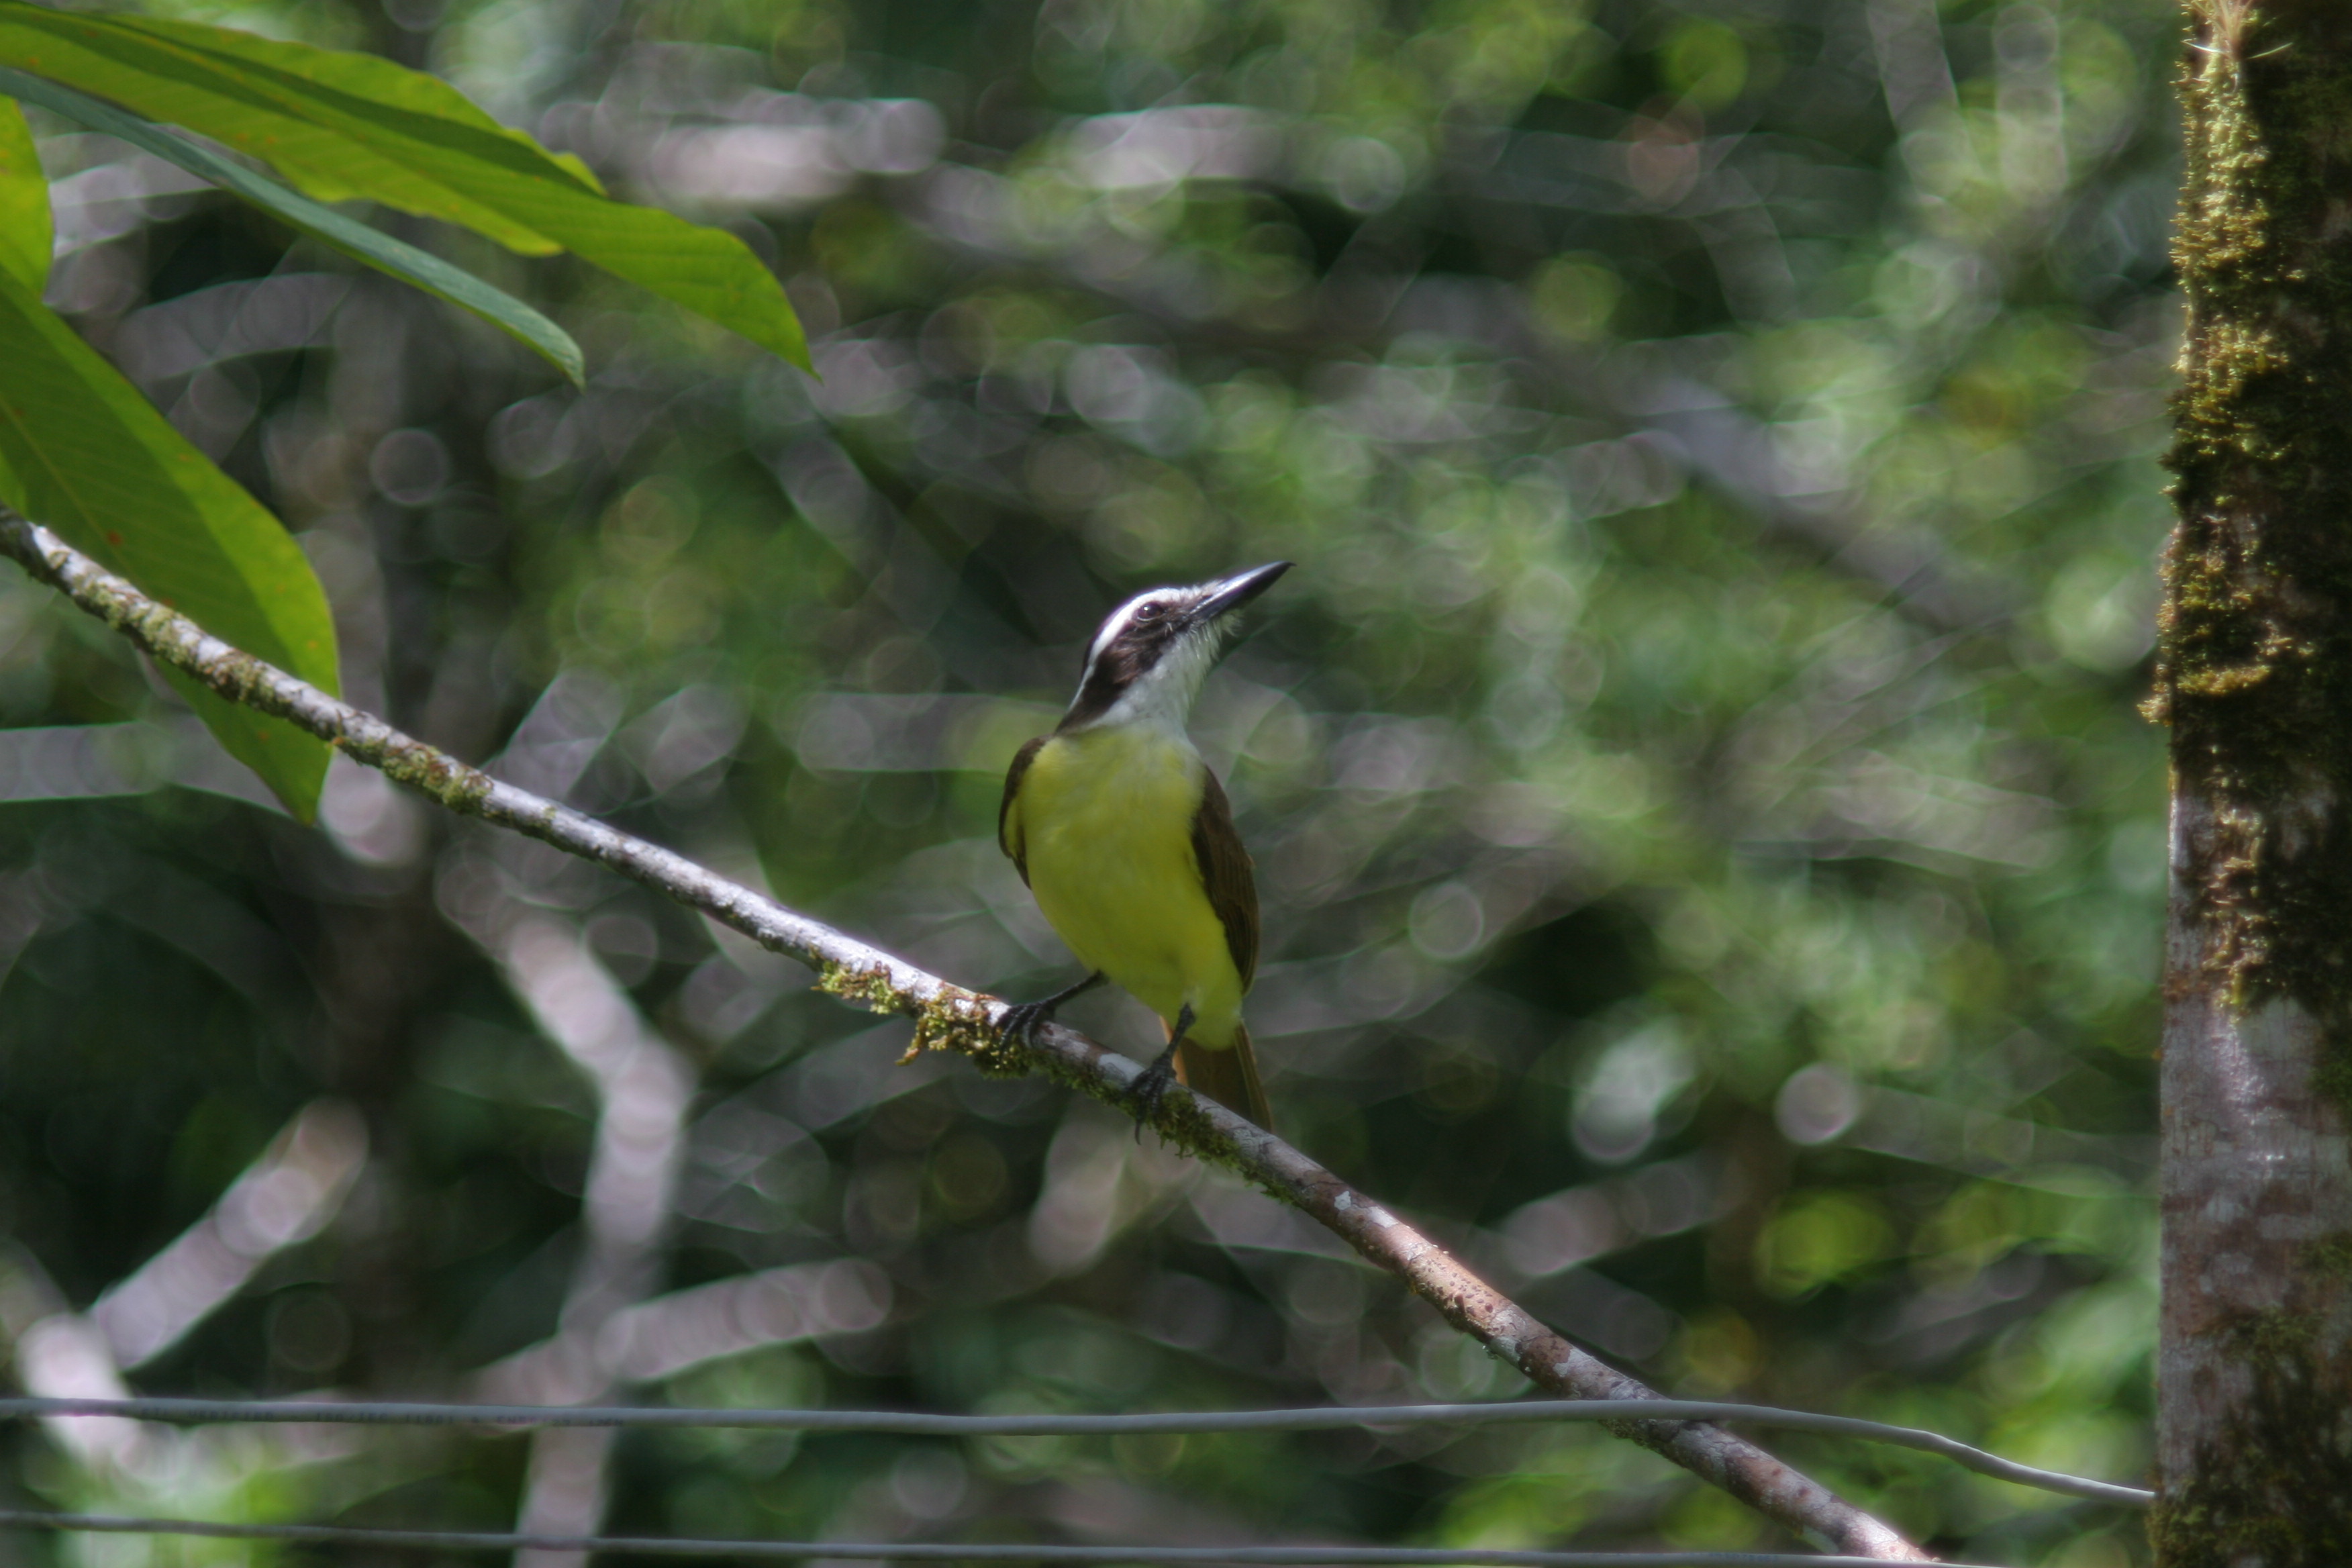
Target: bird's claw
1144	1095
1023	1020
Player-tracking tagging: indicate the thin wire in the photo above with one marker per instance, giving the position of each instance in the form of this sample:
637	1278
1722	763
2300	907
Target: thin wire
189	1411
927	1552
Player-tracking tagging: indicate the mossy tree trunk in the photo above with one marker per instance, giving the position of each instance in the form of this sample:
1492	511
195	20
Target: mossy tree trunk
2256	1367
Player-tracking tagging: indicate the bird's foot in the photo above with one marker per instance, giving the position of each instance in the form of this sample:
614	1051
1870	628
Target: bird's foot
1022	1019
1151	1085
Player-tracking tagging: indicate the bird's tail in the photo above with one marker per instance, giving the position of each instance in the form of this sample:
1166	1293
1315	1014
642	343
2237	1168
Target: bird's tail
1228	1077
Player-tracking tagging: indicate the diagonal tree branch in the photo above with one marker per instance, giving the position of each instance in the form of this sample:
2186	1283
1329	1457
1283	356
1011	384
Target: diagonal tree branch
950	1017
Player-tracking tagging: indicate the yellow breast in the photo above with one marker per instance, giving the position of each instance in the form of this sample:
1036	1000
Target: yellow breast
1103	821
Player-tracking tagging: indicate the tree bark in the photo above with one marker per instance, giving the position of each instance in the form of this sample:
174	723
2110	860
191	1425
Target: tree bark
2255	1372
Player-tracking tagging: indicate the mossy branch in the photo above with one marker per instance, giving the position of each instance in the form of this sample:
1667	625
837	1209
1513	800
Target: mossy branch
950	1017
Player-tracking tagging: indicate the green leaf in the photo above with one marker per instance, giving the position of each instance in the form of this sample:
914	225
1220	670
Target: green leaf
342	125
428	272
82	452
183	73
27	235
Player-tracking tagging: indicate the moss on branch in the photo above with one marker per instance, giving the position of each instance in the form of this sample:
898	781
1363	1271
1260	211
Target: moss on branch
2256	671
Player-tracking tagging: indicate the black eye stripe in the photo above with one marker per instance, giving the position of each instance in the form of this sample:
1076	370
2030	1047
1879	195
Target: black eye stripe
1146	633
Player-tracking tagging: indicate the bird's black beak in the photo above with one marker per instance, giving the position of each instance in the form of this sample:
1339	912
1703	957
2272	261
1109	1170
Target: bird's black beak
1234	592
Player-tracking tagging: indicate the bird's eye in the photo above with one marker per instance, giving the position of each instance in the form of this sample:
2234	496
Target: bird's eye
1147	612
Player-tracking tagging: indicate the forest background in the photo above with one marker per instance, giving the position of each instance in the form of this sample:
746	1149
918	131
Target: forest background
1712	860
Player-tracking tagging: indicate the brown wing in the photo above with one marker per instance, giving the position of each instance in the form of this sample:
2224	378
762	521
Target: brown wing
1225	873
1019	852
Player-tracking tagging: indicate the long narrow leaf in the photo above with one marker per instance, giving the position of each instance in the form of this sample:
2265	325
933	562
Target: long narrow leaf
347	125
173	72
379	251
27	232
83	452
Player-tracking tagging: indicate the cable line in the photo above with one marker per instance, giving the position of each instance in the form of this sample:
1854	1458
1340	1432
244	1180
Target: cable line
929	1551
918	1423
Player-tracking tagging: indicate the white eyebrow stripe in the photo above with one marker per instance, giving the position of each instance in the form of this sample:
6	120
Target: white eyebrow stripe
1112	628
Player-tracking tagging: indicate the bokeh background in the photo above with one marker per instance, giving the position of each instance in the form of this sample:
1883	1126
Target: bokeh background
1711	857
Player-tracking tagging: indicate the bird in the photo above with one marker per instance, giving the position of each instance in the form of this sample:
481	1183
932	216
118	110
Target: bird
1126	840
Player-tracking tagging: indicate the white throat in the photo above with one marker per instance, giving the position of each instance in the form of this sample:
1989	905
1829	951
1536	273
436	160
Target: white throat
1161	699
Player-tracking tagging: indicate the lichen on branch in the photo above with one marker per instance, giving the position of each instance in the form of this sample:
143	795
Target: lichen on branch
2255	667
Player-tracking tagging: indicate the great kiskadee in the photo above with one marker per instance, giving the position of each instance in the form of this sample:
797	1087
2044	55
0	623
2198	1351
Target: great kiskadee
1125	837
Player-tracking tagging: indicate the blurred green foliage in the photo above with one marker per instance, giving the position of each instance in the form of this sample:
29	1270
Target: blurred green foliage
1711	861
